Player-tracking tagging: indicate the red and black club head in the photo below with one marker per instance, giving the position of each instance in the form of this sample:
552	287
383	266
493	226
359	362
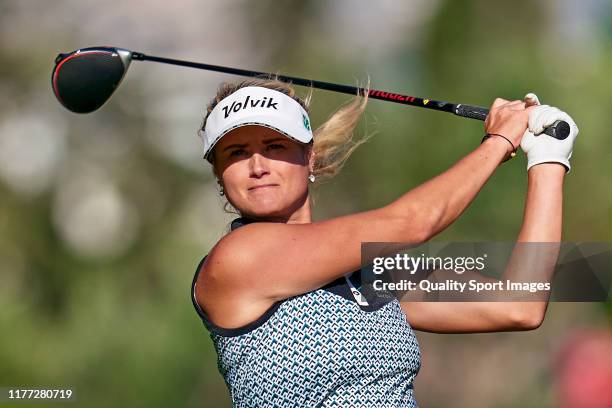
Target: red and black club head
83	80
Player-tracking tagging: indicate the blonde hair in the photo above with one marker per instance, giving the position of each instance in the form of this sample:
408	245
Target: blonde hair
334	140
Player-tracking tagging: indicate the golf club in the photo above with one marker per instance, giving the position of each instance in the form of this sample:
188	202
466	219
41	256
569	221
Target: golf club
83	80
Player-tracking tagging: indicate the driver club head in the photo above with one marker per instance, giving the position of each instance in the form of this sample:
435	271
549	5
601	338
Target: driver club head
83	80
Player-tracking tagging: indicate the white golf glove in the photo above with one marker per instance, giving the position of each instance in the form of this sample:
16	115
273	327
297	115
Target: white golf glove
541	148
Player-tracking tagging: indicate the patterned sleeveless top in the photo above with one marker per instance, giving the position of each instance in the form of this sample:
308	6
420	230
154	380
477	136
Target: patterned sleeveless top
331	347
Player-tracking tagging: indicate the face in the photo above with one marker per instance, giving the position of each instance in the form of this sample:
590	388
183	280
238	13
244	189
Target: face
264	174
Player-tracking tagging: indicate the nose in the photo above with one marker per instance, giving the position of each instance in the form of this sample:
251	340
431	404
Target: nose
258	166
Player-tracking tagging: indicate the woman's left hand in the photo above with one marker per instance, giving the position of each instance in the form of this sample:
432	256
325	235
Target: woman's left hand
541	148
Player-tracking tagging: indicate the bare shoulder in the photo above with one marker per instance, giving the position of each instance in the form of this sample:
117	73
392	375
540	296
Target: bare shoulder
243	259
222	288
252	267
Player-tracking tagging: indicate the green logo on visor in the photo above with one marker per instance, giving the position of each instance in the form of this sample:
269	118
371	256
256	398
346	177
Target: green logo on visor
306	122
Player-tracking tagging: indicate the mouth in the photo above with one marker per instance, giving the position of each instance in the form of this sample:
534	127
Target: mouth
262	186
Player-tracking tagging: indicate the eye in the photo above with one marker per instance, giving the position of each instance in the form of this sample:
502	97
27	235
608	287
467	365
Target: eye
237	152
275	146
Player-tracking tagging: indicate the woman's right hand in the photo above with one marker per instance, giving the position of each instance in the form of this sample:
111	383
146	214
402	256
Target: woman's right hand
508	118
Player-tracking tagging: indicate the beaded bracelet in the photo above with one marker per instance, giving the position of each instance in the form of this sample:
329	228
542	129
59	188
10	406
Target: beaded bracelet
514	149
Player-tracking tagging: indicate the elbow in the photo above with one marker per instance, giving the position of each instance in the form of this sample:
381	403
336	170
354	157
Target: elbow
526	319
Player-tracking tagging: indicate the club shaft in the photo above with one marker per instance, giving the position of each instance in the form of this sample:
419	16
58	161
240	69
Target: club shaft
351	90
468	111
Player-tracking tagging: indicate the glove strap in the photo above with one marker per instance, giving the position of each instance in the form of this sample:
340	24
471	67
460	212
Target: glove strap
512	153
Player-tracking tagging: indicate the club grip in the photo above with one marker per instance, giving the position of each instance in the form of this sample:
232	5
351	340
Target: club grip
559	130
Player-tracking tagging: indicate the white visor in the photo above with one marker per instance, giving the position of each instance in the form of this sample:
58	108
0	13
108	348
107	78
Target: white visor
255	105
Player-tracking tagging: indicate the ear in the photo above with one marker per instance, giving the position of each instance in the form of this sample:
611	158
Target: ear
311	158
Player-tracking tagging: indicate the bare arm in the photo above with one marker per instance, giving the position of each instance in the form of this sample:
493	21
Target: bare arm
542	222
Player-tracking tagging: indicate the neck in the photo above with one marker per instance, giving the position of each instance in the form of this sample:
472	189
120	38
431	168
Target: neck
302	215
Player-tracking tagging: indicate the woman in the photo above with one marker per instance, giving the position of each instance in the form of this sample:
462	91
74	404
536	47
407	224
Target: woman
276	292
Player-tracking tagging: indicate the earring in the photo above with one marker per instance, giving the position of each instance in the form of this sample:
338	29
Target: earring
312	178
